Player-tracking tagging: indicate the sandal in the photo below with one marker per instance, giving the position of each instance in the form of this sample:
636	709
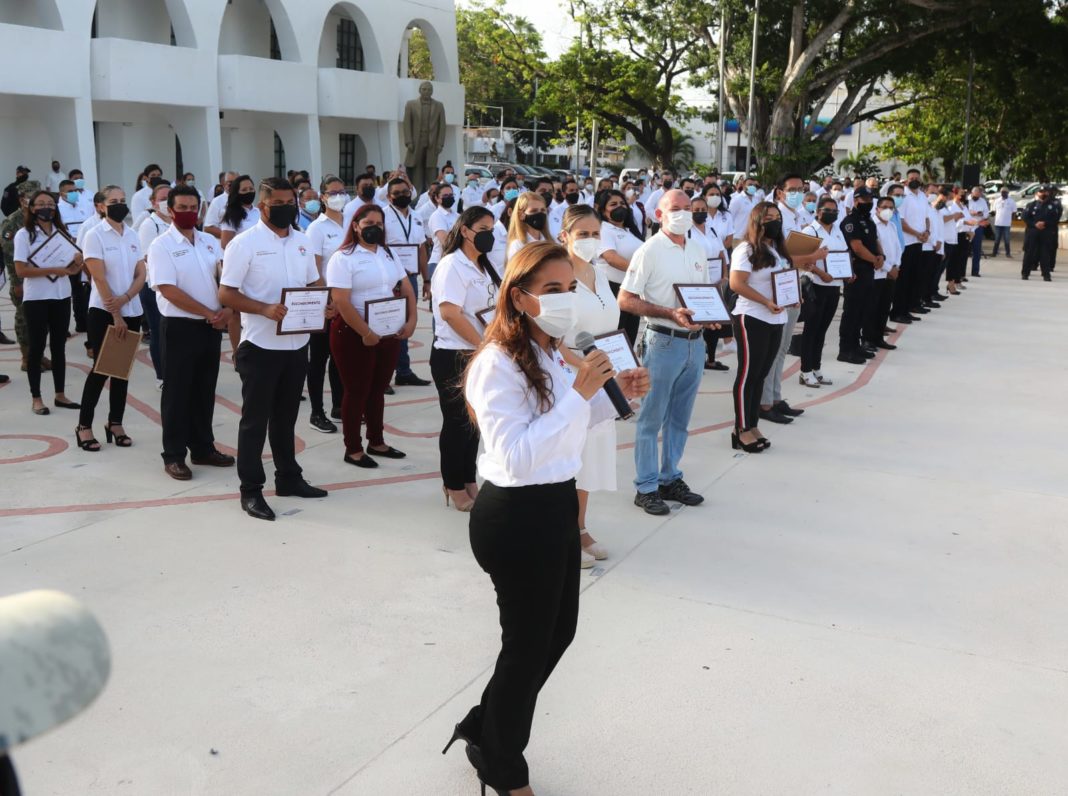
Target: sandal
40	410
388	453
90	444
120	440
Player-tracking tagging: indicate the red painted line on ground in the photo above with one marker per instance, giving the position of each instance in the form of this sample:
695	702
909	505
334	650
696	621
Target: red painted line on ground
55	445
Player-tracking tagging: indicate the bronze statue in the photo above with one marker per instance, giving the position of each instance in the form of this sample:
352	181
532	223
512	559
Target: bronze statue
424	136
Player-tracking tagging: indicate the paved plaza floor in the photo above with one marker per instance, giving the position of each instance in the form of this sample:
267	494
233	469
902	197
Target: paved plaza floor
877	605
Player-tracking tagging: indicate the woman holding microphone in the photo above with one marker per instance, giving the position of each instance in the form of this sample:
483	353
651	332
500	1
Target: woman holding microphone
464	284
534	419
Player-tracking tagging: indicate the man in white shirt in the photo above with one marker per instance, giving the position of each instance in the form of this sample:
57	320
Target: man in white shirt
878	311
183	266
74	209
55	177
471	196
213	217
674	352
406	237
916	228
365	194
742	204
1004	207
142	200
667	180
933	250
978	211
258	265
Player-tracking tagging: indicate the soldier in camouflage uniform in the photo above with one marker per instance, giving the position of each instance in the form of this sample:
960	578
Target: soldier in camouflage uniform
11	225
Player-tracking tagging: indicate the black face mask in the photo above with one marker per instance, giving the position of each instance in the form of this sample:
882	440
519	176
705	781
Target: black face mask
559	196
689	193
772	229
21	177
45	214
372	235
619	214
571	198
828	216
367	193
547	196
666	184
535	221
402	201
862	208
247	198
484	241
448	201
914	185
118	211
700	217
282	216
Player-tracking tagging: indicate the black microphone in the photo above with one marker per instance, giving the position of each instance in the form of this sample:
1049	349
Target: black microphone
585	341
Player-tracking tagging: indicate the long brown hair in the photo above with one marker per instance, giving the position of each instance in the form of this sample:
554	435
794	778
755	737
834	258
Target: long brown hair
29	222
759	255
510	328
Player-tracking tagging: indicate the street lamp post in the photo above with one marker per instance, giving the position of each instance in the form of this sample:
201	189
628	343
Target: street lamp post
752	88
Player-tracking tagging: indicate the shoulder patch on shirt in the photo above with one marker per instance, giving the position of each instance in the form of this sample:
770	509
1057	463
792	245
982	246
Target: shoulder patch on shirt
847	227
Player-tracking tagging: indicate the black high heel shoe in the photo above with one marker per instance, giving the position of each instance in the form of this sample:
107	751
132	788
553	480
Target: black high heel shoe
457	735
120	440
748	447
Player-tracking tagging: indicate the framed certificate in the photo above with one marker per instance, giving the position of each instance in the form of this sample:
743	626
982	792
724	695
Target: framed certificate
407	255
714	269
58	251
786	288
839	265
617	346
387	316
305	310
706	302
486	316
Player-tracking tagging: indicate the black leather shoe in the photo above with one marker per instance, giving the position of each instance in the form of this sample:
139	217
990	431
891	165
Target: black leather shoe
773	415
651	503
256	507
852	358
906	319
885	345
787	410
5	340
301	489
864	352
364	461
940	297
213	459
916	318
921	310
678	490
319	422
410	380
932	305
335	414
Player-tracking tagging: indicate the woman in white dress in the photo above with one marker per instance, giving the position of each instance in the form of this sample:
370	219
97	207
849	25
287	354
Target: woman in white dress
596	312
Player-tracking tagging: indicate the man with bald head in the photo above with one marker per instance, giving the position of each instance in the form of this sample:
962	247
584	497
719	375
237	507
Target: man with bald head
674	351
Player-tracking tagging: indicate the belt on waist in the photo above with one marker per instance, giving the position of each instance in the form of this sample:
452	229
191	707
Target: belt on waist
674	332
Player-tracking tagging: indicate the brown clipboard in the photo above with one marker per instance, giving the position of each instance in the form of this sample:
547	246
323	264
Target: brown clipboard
116	357
800	243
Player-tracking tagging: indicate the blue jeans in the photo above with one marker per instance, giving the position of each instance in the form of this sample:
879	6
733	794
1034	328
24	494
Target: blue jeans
977	249
1002	234
675	368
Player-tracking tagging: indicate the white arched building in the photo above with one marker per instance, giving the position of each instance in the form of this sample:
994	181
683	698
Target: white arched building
253	85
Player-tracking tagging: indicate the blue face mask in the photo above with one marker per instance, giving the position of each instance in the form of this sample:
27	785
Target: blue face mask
72	197
898	200
313	207
511	194
79	184
449	178
751	190
810	207
794	199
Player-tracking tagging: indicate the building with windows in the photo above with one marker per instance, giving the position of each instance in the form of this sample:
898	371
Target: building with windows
259	86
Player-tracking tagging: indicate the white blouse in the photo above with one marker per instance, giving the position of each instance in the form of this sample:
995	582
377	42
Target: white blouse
368	275
120	253
459	281
523	445
38	288
252	218
620	240
596	311
833	241
714	252
760	281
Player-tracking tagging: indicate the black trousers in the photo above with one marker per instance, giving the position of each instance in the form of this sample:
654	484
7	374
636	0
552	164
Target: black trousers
46	323
79	297
1040	247
320	363
190	351
949	252
932	272
758	345
627	322
958	263
98	322
908	273
821	305
856	302
271	383
882	296
526	538
458	441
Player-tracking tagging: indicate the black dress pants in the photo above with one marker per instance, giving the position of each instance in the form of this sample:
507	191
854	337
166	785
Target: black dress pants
98	322
458	441
932	271
46	323
190	351
875	321
79	299
821	305
320	363
527	539
627	322
271	383
857	294
908	273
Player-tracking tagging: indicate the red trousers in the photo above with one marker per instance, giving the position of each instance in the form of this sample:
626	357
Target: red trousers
365	373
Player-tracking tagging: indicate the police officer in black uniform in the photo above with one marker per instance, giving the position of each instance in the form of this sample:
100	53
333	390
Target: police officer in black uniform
863	240
9	203
1040	239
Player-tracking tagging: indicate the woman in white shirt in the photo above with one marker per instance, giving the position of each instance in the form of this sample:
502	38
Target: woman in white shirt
155	224
363	270
758	320
240	213
116	266
440	222
527	222
464	284
534	419
596	312
822	300
715	269
620	238
46	298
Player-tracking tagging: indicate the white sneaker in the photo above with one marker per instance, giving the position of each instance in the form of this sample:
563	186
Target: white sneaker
596	551
809	379
821	378
587	560
729	348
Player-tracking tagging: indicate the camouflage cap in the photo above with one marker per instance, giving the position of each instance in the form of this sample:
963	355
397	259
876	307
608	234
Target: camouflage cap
29	187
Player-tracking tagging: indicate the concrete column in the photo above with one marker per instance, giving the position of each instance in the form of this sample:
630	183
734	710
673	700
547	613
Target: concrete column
198	130
70	124
300	136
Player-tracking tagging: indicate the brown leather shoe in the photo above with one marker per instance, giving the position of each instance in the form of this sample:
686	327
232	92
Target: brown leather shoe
178	471
214	459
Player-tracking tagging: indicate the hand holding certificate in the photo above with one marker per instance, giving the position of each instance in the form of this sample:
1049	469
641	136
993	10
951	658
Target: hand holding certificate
386	317
305	310
786	288
58	251
617	346
838	264
706	302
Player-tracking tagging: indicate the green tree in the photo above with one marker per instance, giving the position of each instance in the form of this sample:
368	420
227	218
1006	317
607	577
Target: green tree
420	65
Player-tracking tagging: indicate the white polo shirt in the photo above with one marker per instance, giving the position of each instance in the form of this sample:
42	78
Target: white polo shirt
833	241
620	240
214	214
74	216
914	212
152	227
190	267
252	218
890	245
741	205
38	288
367	275
259	263
403	229
935	217
459	281
326	237
141	201
658	265
350	211
120	252
760	281
441	220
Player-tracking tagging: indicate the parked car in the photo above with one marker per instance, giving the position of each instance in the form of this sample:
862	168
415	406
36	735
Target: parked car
993	187
481	172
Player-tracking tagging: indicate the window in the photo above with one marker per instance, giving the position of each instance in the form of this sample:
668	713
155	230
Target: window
346	159
279	157
276	51
349	49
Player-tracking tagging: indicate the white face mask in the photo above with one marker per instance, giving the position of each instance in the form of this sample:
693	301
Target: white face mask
713	202
337	202
886	214
836	193
585	248
677	222
629	193
557	313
